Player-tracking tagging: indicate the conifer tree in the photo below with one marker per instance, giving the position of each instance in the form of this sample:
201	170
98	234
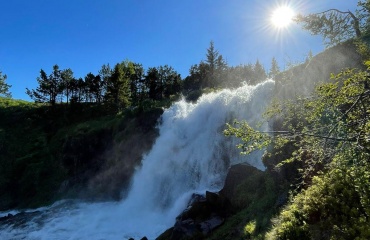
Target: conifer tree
4	87
118	88
274	70
67	79
216	66
259	73
45	91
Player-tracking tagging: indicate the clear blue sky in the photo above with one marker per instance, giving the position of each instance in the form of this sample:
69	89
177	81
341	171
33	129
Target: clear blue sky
85	34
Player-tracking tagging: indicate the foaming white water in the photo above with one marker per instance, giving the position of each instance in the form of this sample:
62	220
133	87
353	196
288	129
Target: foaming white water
191	155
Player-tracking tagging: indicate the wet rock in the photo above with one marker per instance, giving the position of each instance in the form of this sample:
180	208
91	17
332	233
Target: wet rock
210	224
5	218
207	212
19	219
237	174
203	215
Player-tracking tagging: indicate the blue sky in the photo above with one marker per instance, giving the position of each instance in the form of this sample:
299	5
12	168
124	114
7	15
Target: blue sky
85	34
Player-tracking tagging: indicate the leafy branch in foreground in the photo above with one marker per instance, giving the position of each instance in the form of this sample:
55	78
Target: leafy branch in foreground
335	117
330	132
336	25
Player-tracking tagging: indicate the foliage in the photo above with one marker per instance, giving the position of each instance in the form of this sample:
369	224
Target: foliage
48	152
274	70
4	87
331	131
50	87
162	82
335	206
216	67
214	73
118	88
335	25
256	205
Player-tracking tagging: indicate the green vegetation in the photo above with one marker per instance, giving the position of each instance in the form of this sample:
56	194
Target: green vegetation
254	203
4	88
325	136
50	152
80	136
335	25
328	136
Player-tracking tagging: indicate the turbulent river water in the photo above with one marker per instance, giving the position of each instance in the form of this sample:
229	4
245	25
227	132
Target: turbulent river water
191	155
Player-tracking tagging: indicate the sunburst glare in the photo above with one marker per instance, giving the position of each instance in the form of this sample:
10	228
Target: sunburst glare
282	16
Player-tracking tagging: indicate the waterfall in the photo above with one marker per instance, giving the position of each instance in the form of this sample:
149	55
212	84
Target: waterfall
191	155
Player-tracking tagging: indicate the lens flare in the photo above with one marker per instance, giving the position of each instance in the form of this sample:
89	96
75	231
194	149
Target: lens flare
282	17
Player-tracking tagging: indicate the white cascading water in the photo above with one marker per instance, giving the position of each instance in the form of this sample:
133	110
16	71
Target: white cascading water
191	155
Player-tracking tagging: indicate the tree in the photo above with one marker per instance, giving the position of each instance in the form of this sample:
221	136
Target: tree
49	87
330	131
274	70
118	87
66	82
4	87
55	84
153	83
259	73
91	87
171	80
239	74
196	78
335	25
105	73
80	91
216	66
42	92
209	73
137	86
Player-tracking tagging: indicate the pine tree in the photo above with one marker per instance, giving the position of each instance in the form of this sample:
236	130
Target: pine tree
259	73
216	67
67	79
49	87
55	84
137	87
105	73
4	87
118	88
154	86
274	70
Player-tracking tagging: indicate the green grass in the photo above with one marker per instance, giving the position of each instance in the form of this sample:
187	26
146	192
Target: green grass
42	146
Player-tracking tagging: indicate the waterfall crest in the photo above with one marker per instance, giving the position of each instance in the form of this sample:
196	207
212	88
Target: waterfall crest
191	155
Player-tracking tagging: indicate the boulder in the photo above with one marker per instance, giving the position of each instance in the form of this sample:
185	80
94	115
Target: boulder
237	175
202	216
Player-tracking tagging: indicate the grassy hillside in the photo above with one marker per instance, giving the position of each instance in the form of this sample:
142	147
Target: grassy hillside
50	152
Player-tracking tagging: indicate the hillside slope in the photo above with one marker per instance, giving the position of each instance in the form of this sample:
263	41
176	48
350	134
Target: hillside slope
68	151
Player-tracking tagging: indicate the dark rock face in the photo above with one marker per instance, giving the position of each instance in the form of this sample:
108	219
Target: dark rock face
237	174
19	219
207	212
210	224
204	214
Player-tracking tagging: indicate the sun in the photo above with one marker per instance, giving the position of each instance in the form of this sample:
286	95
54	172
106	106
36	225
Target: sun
282	17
